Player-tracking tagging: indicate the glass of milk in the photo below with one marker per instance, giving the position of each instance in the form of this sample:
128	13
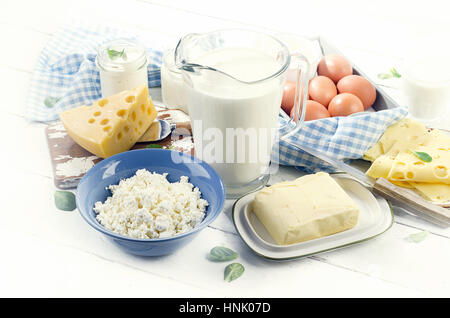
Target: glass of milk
123	65
426	86
233	84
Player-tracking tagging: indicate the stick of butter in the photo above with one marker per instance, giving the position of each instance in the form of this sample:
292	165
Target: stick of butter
309	207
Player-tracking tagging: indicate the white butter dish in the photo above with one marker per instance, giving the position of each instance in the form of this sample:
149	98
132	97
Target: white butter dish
375	217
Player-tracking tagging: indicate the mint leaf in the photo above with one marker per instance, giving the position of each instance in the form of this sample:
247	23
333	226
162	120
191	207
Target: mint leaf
422	155
394	72
153	146
233	271
50	101
65	200
417	237
113	54
222	254
384	75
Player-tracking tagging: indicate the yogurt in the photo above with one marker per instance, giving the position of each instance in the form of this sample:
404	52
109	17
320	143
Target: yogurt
122	65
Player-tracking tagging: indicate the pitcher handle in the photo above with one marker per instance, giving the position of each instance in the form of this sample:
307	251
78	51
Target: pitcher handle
177	53
295	122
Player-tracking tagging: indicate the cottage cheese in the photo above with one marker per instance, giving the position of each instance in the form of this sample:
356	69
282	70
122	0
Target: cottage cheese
147	205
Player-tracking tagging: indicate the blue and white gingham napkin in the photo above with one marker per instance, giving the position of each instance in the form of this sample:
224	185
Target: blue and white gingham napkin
338	137
66	76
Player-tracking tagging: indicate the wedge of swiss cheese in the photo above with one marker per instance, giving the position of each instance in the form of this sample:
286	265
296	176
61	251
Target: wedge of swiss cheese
111	125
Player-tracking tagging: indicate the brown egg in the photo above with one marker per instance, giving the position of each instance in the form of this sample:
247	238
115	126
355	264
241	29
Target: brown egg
287	102
315	110
322	90
345	104
334	67
359	86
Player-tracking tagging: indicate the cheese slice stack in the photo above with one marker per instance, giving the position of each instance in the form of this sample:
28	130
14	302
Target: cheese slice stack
392	159
111	125
304	209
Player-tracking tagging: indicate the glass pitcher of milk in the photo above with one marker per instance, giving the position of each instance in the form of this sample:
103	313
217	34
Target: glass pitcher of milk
233	84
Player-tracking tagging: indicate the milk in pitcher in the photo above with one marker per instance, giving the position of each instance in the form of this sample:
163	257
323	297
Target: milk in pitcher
234	123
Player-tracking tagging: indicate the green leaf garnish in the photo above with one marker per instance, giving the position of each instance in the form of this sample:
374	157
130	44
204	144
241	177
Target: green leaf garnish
222	254
50	101
384	75
233	271
395	73
113	54
417	237
153	146
65	200
392	73
422	155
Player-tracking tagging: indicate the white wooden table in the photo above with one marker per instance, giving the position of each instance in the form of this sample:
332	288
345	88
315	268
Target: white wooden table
47	252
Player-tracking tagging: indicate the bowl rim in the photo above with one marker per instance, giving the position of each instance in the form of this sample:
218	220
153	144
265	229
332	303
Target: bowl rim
96	225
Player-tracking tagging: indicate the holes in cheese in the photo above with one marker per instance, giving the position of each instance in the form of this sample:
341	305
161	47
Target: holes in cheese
96	114
398	175
143	108
149	111
102	102
410	175
419	164
140	123
115	128
440	171
122	113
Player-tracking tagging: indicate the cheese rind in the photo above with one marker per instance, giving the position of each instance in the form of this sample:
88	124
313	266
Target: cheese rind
304	209
111	125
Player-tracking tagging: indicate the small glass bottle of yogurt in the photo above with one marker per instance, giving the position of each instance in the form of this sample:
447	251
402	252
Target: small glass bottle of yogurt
123	65
172	89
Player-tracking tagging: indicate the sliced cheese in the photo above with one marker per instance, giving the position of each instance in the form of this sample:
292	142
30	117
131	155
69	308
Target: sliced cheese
381	167
407	167
111	125
307	208
152	132
373	153
407	130
433	191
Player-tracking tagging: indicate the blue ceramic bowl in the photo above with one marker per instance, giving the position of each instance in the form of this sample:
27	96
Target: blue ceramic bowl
92	188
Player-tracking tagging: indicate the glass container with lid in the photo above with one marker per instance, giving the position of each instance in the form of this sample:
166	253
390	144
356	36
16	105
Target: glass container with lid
123	65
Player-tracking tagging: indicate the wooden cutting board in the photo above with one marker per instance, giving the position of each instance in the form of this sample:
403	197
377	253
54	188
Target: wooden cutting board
70	161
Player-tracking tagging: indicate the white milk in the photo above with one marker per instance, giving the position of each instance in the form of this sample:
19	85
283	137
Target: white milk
221	103
426	85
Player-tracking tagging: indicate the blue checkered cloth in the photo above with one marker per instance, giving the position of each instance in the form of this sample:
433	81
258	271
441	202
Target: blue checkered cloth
66	75
341	138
